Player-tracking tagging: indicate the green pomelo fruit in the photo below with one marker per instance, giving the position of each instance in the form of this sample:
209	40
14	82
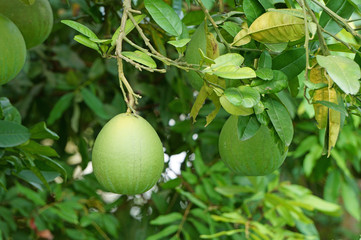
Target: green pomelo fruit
34	21
12	50
258	156
128	155
234	110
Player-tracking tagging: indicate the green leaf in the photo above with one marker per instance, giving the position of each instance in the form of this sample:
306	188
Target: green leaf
192	198
167	219
265	60
331	191
252	9
40	131
36	148
31	178
8	111
280	119
343	71
171	184
322	205
235	72
30	194
277	84
265	73
141	57
233	59
54	165
80	28
232	28
12	134
291	62
60	107
247	127
179	43
198	163
351	200
164	233
334	106
311	158
231	190
87	42
129	26
189	177
222	233
164	16
244	96
341	8
94	103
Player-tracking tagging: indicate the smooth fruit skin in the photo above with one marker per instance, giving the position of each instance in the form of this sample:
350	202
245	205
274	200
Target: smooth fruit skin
12	50
257	156
128	155
34	21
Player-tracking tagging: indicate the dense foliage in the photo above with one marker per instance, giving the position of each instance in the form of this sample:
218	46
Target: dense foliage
205	61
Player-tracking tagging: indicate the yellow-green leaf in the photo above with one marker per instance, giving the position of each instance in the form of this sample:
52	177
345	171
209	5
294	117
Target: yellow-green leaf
141	57
277	27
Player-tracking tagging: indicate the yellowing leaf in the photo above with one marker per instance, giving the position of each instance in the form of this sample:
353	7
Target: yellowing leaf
334	122
276	27
197	105
321	111
212	49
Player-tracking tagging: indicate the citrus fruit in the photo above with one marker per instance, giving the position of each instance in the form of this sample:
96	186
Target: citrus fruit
258	156
12	50
34	21
128	155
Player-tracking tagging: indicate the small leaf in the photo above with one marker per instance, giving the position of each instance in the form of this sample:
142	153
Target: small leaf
54	165
12	134
343	71
322	205
277	84
265	60
247	127
233	109
198	103
280	119
235	72
8	111
265	73
164	233
40	131
192	198
244	96
164	16
87	42
80	28
179	43
167	219
141	57
233	59
61	105
171	184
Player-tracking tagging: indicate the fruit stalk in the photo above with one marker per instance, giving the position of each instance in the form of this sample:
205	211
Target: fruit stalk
132	98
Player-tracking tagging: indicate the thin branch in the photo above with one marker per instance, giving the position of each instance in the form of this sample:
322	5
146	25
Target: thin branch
140	67
350	47
339	19
185	215
132	98
215	26
321	39
306	46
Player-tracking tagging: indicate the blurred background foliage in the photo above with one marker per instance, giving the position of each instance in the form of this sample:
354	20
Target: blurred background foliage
66	93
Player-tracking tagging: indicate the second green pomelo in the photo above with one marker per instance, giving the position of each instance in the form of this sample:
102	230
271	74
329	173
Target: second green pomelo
128	155
258	156
12	50
34	21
